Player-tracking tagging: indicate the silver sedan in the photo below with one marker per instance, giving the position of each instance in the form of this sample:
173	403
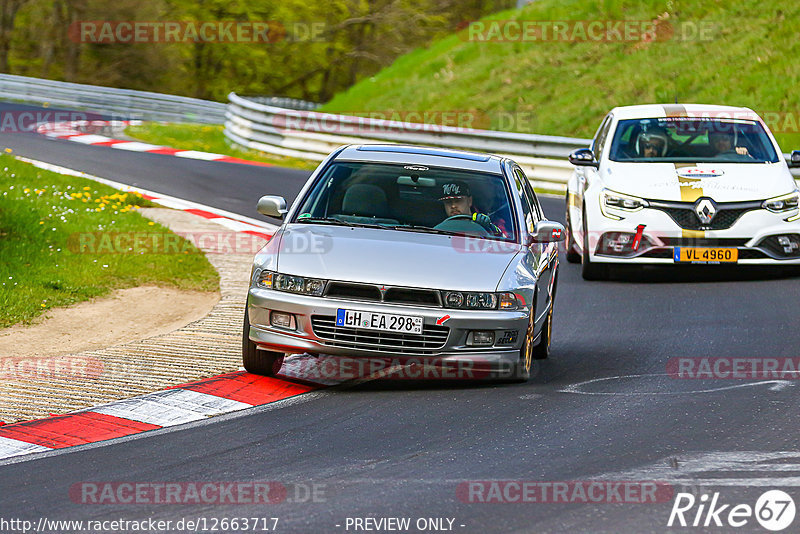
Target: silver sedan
405	252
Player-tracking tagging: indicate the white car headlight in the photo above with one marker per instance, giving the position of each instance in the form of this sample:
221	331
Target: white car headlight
611	201
782	203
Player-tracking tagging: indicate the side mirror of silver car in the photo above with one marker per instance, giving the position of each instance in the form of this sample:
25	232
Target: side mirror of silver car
548	232
272	206
794	160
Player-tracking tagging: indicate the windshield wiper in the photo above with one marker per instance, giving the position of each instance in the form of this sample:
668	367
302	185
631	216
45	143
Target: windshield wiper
340	222
324	220
422	229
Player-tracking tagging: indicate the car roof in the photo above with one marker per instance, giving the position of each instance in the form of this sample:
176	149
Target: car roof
649	111
420	155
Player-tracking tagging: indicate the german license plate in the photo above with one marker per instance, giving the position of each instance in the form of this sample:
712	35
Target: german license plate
407	324
706	255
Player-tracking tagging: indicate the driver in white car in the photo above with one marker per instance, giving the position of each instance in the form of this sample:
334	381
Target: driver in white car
457	200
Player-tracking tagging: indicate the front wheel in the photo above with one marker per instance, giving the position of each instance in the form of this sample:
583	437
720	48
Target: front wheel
258	362
522	370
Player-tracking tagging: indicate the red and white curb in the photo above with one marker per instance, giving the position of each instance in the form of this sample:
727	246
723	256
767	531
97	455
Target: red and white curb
73	131
182	404
232	221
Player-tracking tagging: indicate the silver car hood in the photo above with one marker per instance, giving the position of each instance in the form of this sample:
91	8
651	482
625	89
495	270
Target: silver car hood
393	257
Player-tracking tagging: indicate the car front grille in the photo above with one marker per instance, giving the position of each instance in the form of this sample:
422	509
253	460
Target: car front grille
390	295
432	338
687	219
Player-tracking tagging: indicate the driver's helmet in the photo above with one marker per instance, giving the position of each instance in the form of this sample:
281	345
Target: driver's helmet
656	137
730	133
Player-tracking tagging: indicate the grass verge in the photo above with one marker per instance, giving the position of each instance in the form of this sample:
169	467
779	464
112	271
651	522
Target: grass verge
207	138
43	218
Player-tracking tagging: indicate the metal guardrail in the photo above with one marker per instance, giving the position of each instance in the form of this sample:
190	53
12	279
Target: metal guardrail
313	135
119	103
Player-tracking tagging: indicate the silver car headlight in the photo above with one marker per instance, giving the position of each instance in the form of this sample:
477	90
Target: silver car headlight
264	279
480	301
611	201
783	203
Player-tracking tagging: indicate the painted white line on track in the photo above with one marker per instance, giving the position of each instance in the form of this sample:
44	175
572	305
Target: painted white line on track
90	139
711	469
775	385
135	146
194	154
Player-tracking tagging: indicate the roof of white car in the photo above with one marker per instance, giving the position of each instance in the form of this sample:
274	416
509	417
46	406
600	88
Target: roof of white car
648	111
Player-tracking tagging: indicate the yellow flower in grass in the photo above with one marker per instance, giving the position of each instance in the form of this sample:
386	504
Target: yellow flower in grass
87	188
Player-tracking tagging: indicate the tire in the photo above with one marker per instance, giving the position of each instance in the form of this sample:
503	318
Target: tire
572	255
258	362
522	370
590	271
541	350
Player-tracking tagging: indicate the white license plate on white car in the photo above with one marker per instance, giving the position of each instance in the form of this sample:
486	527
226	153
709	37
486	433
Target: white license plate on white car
407	324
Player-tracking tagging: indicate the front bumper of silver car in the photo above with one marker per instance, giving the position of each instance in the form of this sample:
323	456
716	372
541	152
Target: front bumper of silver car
447	333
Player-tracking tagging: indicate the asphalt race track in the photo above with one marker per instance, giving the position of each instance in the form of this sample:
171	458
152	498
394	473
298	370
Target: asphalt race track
602	408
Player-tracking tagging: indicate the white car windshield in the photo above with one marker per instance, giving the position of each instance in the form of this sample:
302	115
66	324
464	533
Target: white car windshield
411	198
695	140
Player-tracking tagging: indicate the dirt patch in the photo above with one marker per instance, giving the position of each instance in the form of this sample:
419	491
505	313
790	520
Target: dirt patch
127	315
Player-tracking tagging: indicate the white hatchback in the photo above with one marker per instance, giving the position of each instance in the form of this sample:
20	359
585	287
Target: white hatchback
682	184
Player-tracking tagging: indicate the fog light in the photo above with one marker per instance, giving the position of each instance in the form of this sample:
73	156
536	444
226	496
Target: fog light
789	243
481	338
282	320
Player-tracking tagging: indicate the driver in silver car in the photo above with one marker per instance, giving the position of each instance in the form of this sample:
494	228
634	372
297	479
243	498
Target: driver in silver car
457	200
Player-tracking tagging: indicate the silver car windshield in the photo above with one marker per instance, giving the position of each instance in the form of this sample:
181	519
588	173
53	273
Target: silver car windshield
412	198
689	139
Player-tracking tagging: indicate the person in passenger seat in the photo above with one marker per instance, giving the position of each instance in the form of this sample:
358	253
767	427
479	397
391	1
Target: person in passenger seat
457	200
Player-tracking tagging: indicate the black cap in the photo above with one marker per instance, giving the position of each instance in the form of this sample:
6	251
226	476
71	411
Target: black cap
455	189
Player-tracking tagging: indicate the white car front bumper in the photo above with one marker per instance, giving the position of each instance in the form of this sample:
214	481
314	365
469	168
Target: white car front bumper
754	232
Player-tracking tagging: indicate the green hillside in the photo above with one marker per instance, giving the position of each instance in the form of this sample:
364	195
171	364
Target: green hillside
731	52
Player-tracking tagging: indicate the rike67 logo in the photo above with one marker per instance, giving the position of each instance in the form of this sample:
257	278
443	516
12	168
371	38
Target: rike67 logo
774	510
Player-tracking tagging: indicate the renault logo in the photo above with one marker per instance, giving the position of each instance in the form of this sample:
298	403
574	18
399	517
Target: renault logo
705	210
